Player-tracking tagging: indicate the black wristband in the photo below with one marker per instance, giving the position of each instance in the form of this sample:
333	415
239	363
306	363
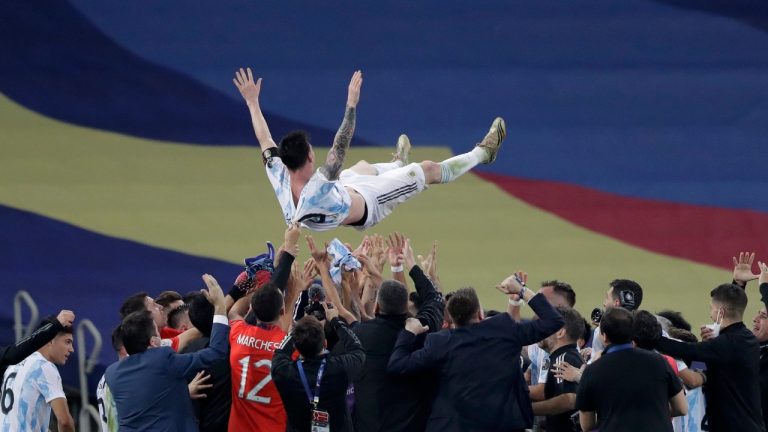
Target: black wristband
236	293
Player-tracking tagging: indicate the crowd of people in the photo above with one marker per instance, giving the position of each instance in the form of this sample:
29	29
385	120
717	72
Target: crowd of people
331	345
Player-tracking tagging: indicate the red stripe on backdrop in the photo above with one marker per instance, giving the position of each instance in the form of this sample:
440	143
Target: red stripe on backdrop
708	235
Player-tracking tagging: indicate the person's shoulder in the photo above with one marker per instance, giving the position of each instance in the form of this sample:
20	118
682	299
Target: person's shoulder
573	357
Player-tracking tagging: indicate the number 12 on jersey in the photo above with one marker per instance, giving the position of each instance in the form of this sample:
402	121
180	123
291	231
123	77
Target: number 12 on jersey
253	394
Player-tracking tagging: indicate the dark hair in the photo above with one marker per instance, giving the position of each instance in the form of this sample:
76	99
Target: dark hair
392	298
682	334
491	313
137	330
51	319
586	333
463	306
117	338
563	289
176	315
574	323
620	285
617	325
167	297
201	314
676	318
732	298
267	302
309	337
646	330
134	303
294	149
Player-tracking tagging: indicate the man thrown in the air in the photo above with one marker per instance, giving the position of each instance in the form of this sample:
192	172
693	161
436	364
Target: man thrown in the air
362	195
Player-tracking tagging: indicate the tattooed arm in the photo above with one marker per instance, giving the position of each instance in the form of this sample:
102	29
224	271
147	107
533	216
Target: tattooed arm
335	159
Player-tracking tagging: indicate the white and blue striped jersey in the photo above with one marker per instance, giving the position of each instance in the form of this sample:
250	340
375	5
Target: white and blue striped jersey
322	205
692	422
27	391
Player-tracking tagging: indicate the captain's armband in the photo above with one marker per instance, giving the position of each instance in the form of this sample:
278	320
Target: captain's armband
268	154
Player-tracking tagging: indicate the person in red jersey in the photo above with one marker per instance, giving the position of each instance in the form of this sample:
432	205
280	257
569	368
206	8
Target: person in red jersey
256	404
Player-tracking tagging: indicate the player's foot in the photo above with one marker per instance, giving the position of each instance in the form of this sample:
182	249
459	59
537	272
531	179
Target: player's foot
493	139
402	150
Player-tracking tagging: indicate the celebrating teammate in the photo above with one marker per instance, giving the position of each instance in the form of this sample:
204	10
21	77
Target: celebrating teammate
363	195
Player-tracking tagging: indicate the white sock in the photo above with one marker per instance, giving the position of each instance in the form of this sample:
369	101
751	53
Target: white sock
454	167
383	167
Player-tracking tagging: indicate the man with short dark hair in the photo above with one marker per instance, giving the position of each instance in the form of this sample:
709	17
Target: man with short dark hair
384	402
628	389
314	387
623	293
760	330
480	384
150	385
732	387
169	337
11	355
32	388
362	195
560	395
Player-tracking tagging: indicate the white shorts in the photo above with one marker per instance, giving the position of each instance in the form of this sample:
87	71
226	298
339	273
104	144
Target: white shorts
382	193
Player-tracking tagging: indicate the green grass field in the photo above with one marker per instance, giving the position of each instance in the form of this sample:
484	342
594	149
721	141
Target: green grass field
217	202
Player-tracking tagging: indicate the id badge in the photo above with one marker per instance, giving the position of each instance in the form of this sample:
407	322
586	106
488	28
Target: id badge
320	421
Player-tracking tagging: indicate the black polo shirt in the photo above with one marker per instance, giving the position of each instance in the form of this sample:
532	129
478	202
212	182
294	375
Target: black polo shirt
557	386
629	390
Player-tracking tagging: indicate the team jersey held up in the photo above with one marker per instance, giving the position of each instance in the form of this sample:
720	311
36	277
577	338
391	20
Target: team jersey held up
256	404
27	391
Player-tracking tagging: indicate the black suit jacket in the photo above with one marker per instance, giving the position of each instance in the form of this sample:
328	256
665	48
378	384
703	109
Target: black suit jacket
481	385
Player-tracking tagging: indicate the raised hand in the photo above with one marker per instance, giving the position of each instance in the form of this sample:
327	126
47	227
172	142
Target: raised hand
291	239
510	285
395	245
415	326
742	267
763	272
249	89
319	255
214	295
378	252
429	264
66	318
330	311
353	94
409	259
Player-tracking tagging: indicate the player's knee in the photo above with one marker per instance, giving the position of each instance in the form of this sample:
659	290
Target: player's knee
432	171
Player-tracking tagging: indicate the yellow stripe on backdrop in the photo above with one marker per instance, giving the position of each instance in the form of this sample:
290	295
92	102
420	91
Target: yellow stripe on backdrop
217	202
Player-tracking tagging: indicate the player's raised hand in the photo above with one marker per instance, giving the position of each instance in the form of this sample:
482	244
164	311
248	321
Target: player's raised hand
742	267
249	89
319	255
353	95
66	318
291	239
763	272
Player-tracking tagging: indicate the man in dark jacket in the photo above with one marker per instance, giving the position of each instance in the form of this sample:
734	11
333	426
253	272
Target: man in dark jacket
760	330
481	385
314	387
732	388
13	354
386	402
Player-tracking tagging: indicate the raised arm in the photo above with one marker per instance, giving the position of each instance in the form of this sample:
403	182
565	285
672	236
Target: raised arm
549	320
250	91
335	159
23	348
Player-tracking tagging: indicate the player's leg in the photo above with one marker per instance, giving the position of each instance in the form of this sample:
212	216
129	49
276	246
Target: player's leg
399	160
484	152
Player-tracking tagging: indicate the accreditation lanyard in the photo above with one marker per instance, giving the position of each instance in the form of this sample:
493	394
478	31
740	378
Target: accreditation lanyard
314	399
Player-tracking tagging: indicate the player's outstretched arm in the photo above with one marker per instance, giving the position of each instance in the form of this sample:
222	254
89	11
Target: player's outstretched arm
335	160
250	91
